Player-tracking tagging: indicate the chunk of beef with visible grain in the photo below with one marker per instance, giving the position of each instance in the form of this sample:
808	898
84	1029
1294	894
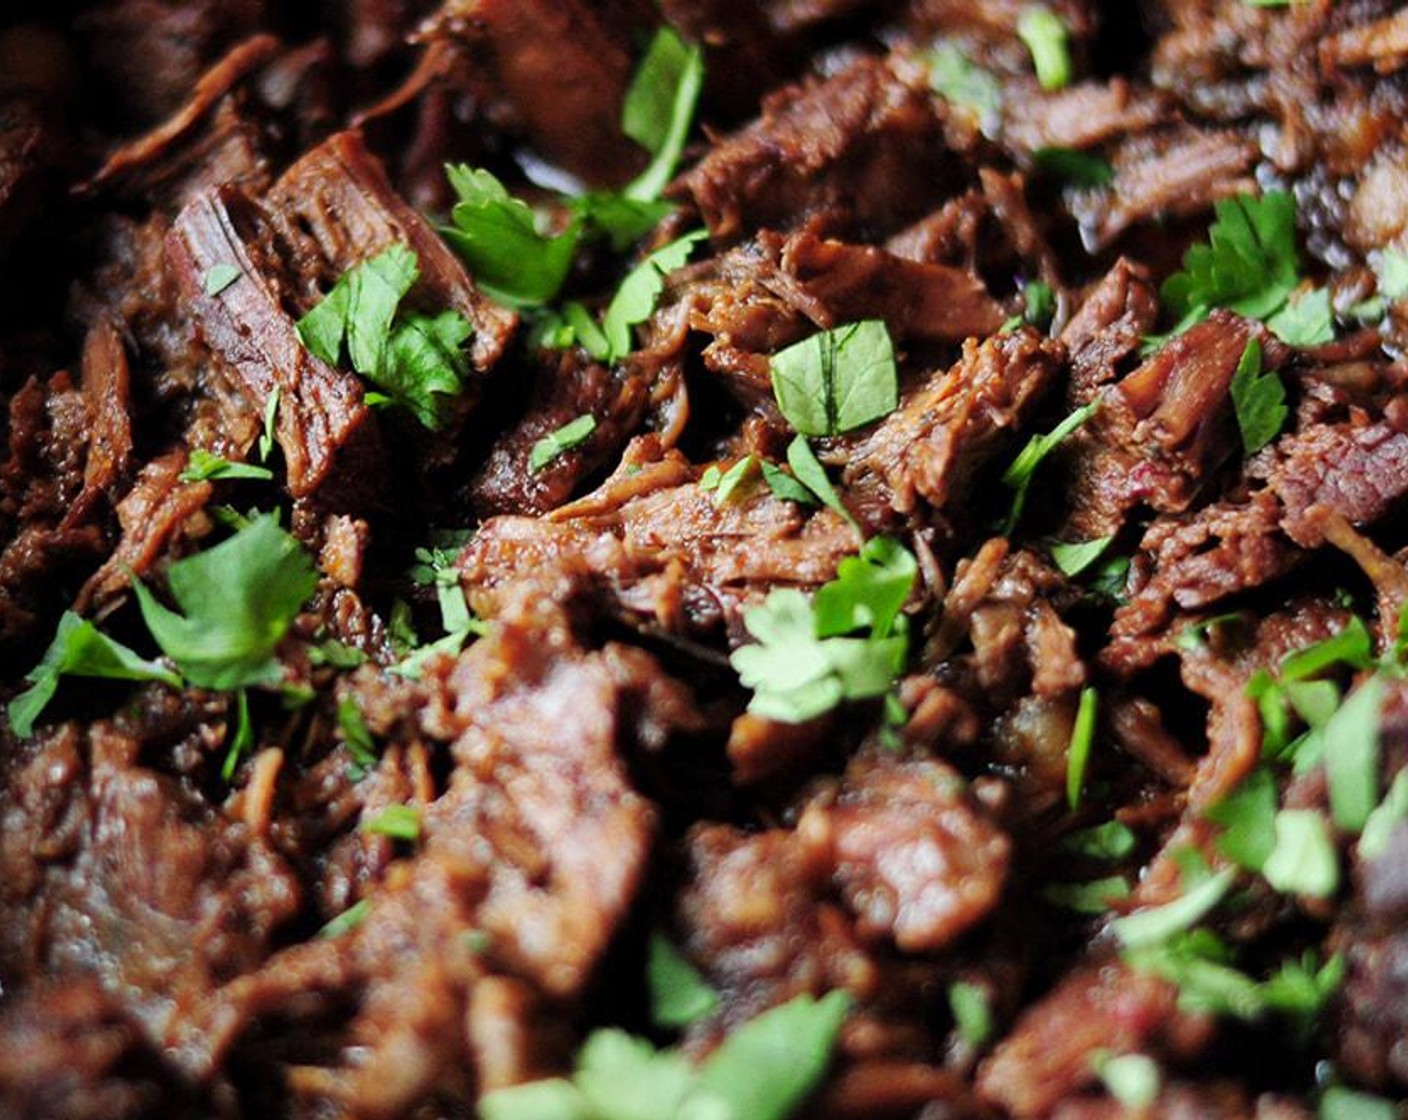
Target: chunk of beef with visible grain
1085	115
863	140
1100	1008
924	454
553	71
668	553
914	858
1109	327
1163	429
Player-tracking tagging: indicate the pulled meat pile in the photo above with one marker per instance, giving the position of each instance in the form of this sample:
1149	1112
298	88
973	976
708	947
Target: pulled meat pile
733	559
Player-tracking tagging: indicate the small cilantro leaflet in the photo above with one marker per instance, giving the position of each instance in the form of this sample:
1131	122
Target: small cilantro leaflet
1306	320
869	591
202	466
1304	860
1258	399
1250	263
964	83
1392	271
1109	841
1132	1079
355	733
837	380
1046	37
678	994
1351	748
498	237
1387	816
1093	897
347	921
1073	167
972	1013
237	601
79	649
1078	752
726	485
572	434
1019	475
659	108
1039	304
808	471
785	486
1248	819
1075	557
399	822
635	299
219	277
1158	923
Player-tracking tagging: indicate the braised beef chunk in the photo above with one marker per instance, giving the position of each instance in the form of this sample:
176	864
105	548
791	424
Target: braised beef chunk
749	559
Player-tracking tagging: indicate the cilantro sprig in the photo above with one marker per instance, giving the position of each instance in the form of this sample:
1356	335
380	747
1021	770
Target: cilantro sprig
808	659
416	361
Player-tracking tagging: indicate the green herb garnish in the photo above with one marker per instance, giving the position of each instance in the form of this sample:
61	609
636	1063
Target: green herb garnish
1046	37
1019	475
399	822
572	434
837	380
1258	399
678	994
202	466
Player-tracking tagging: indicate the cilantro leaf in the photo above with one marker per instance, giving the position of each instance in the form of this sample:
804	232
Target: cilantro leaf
355	733
1250	263
869	590
964	83
1093	897
1075	557
1388	815
678	994
1046	37
1351	745
1304	860
1306	320
400	822
1018	476
426	365
572	434
785	486
1340	1103
1078	753
1039	304
765	1068
1132	1079
659	108
636	297
1392	271
1109	841
837	380
972	1015
1248	819
726	484
1158	923
1073	167
1258	399
79	649
347	921
497	236
807	470
202	466
218	277
238	600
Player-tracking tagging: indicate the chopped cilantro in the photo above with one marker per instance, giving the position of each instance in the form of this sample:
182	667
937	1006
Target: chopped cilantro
437	567
962	82
1304	860
1351	746
218	277
802	665
1392	271
1306	320
785	486
338	655
763	1071
1351	647
1109	841
400	822
972	1014
498	237
1019	475
242	742
1078	753
1250	263
635	299
1340	1103
1248	819
678	994
1073	167
659	108
1158	923
572	434
726	484
271	413
1074	558
237	601
202	466
1093	897
765	1068
1046	37
1132	1079
356	734
347	921
807	470
1387	815
79	649
418	362
837	380
1039	304
1258	399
